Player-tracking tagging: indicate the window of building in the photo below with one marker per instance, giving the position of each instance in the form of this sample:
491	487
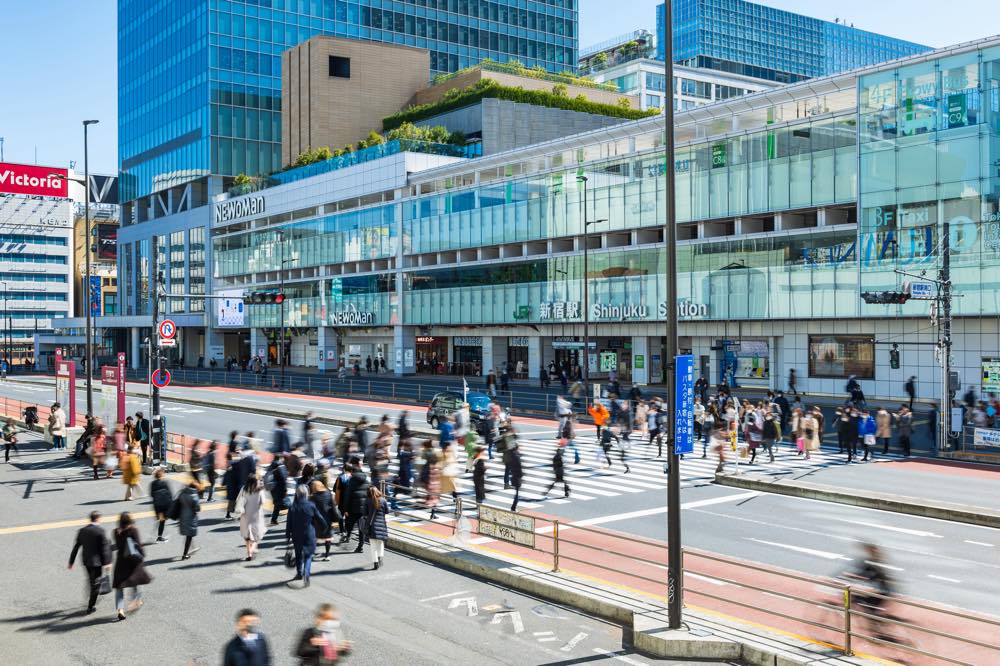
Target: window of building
340	67
653	101
840	356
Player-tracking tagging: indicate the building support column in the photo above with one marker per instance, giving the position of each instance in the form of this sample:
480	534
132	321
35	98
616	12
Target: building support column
258	344
404	344
134	348
327	359
215	348
640	360
534	357
489	362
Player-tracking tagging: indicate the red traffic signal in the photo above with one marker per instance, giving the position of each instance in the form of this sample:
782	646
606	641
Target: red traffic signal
266	298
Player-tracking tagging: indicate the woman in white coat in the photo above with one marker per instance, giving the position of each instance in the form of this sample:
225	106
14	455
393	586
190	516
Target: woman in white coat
252	523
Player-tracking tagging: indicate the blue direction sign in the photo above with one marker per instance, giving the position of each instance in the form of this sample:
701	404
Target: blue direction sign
684	408
160	378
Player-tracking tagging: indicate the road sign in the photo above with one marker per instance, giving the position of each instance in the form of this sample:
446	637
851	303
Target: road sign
160	378
168	329
168	342
922	291
684	409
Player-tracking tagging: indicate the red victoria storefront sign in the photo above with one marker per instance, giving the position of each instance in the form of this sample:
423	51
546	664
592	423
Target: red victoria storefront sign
35	180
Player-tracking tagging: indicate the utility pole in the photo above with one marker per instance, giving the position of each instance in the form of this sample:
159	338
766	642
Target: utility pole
675	572
86	274
154	346
944	338
281	305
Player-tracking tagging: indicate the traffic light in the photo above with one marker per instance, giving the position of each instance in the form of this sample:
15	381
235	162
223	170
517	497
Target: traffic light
894	357
265	298
885	297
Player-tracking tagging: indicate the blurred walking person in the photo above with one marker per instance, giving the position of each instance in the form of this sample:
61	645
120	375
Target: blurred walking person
512	458
250	506
129	570
211	474
904	428
375	527
323	499
558	471
276	483
195	463
96	556
188	506
248	647
300	531
98	451
57	426
321	644
163	498
357	492
9	440
479	474
142	432
131	474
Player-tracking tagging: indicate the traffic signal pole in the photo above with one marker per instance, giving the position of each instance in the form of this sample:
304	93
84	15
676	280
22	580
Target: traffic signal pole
944	339
157	439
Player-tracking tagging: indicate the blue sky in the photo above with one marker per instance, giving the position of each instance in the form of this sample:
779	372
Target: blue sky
60	68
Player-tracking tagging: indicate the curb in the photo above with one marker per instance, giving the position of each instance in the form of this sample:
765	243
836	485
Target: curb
913	506
645	621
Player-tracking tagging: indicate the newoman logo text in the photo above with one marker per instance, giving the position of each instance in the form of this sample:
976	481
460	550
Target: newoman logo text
233	210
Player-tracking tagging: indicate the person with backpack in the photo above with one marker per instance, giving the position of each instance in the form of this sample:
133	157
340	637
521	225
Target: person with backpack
771	434
606	437
163	498
567	438
276	483
558	471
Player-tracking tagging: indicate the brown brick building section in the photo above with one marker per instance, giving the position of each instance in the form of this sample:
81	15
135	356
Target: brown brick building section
320	109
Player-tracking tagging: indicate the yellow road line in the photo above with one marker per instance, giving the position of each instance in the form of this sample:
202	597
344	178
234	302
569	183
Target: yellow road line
80	522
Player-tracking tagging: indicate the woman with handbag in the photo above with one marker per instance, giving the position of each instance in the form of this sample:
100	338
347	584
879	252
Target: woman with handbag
250	504
129	571
375	527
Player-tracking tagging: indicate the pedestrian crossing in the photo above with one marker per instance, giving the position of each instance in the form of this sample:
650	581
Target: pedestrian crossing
593	480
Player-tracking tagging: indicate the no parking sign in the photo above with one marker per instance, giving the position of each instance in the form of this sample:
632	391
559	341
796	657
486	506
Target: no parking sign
160	378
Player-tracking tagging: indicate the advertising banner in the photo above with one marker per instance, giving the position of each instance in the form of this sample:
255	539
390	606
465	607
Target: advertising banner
229	309
95	294
66	386
35	180
107	241
111	408
684	409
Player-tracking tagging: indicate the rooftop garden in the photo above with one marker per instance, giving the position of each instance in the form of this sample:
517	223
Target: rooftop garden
559	98
515	67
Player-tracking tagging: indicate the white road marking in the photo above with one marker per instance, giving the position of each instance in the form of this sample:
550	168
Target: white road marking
444	596
713	581
618	657
548	639
469	602
719	500
599	520
543	633
808	551
882	565
945	579
891	528
979	543
515	619
573	642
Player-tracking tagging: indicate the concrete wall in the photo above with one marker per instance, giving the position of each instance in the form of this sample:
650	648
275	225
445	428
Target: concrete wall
323	110
435	93
505	125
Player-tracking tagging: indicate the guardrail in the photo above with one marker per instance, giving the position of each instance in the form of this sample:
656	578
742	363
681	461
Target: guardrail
517	401
846	618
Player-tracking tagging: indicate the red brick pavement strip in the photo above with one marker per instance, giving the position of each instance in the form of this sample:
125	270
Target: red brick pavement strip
721	586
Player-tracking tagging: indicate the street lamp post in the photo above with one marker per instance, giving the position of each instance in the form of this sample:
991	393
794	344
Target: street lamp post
675	572
586	291
281	305
86	277
7	335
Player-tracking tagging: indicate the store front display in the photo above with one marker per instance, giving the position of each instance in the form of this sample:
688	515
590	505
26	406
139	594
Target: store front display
432	354
842	356
468	355
517	355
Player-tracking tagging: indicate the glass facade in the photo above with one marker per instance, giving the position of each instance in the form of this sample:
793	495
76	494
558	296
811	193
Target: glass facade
755	40
200	80
930	143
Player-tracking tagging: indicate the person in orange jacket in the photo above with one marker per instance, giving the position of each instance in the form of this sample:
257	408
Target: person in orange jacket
600	414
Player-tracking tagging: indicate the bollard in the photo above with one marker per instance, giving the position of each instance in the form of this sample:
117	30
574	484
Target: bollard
458	514
555	546
847	621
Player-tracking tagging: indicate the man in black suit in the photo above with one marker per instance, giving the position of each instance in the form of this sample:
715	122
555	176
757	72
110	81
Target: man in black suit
142	432
96	555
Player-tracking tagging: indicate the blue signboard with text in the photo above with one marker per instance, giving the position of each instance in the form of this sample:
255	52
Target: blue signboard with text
684	407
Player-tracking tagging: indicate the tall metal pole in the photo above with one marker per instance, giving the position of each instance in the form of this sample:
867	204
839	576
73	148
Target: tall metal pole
944	299
6	334
86	272
675	573
586	298
154	346
281	305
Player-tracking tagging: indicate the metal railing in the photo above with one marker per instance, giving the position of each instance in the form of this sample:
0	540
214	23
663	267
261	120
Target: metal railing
518	401
827	611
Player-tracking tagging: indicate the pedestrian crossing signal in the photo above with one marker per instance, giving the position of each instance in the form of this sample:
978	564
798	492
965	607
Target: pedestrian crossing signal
266	298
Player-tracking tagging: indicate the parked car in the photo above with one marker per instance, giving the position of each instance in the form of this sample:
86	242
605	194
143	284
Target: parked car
447	403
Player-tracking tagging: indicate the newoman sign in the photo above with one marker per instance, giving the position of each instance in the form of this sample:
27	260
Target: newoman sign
33	180
237	208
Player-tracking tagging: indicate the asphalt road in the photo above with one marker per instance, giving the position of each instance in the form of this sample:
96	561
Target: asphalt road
947	562
408	612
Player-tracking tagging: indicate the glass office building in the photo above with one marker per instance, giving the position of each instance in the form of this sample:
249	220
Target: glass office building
789	204
762	42
200	82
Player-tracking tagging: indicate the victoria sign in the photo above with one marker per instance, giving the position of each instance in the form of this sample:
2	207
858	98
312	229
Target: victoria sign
34	180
